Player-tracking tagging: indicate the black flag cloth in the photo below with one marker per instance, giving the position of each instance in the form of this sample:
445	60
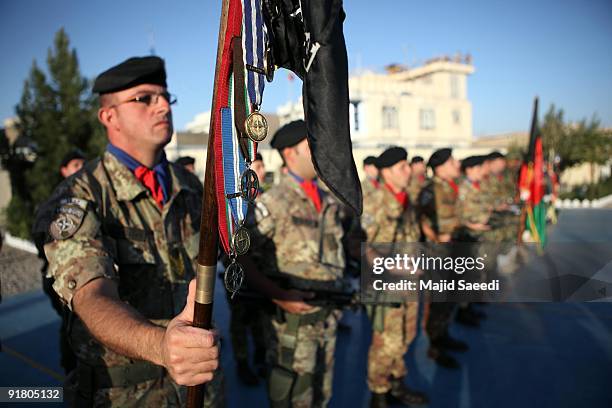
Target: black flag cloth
306	37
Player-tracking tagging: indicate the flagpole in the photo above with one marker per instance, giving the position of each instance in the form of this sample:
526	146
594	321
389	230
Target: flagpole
209	238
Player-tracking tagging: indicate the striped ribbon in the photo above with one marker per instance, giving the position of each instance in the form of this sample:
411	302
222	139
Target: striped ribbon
230	162
254	39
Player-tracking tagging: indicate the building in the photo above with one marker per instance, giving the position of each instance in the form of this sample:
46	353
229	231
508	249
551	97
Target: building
421	107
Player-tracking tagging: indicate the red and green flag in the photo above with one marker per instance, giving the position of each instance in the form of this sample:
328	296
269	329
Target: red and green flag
531	183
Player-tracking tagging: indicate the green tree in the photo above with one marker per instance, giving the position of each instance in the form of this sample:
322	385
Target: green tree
56	114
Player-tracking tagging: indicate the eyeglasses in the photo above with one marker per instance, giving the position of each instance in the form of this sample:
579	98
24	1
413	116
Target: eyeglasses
151	98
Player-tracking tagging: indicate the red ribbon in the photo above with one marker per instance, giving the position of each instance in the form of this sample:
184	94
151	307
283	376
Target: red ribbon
454	186
312	191
401	197
148	178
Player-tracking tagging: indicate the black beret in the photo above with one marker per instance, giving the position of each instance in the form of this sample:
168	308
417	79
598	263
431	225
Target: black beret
472	161
289	135
259	157
417	159
72	155
439	157
370	160
185	160
495	155
131	72
391	156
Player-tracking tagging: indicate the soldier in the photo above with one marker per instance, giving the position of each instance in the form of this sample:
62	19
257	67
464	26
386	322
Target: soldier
371	182
418	178
388	217
474	211
125	239
71	163
297	239
438	218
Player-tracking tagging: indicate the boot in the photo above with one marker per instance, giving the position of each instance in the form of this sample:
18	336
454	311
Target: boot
378	400
245	374
442	359
404	395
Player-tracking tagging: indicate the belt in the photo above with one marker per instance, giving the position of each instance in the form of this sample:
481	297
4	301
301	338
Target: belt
95	377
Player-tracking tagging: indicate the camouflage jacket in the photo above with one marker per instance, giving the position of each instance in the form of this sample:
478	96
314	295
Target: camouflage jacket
368	188
414	188
291	237
107	225
384	220
472	206
437	206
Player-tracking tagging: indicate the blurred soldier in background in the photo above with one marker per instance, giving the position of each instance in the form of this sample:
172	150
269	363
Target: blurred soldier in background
389	218
187	162
418	178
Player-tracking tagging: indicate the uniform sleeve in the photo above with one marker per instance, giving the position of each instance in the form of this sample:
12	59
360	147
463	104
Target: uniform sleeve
369	223
77	254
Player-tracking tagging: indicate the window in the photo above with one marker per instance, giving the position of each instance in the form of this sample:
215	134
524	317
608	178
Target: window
454	86
427	119
354	115
389	119
456	117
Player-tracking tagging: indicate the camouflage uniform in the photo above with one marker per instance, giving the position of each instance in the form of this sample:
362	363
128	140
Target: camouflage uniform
437	208
292	239
386	221
107	225
368	187
414	188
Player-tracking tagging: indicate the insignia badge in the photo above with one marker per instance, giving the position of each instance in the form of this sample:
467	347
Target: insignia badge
234	275
241	241
256	126
249	185
68	219
176	262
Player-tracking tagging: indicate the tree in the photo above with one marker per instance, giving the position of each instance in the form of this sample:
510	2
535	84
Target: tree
55	115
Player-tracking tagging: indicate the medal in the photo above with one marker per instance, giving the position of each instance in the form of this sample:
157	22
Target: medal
256	126
234	275
249	185
241	241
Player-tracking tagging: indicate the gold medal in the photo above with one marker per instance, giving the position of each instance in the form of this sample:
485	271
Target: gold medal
256	126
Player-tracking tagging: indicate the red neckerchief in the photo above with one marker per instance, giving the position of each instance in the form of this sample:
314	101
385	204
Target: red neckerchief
401	197
421	177
454	186
476	184
148	178
312	191
500	177
375	183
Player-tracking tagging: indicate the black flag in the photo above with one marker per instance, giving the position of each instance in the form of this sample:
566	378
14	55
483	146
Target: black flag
307	38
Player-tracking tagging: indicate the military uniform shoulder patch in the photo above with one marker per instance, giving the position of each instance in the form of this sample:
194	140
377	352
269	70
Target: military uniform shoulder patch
68	218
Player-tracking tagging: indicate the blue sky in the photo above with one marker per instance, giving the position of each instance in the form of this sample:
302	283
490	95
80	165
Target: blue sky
557	49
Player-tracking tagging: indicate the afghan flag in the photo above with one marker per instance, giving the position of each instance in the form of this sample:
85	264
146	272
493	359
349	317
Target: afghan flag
531	183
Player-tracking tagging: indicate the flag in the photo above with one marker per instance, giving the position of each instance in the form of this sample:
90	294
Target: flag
531	183
307	38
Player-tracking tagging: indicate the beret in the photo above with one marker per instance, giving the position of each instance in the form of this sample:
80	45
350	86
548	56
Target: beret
391	156
131	72
289	135
495	155
72	155
417	159
472	161
258	156
439	157
185	160
370	160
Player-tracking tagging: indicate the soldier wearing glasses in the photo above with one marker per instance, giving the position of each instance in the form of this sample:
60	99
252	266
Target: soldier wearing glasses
123	242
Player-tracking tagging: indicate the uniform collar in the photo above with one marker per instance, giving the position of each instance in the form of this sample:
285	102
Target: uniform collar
127	186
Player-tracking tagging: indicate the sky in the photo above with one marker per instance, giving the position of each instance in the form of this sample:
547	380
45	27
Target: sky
559	50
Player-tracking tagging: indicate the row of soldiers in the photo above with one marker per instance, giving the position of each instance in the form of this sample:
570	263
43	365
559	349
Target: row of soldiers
122	242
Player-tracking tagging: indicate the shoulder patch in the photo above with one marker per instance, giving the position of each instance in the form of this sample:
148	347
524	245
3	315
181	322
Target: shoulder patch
261	211
68	218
